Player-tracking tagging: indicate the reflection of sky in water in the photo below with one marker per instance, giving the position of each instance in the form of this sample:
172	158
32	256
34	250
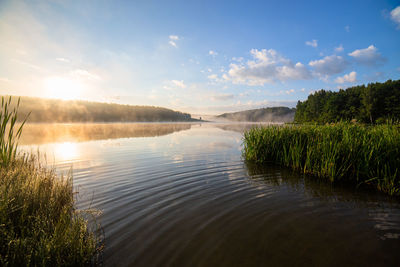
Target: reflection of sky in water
178	144
202	165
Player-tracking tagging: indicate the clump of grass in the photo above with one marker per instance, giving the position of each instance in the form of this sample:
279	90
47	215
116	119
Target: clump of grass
343	152
8	137
39	224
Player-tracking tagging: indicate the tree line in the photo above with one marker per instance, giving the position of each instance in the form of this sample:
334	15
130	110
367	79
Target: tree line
372	103
53	110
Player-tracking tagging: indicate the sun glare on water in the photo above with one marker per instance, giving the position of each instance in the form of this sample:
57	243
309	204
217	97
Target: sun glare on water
66	151
63	88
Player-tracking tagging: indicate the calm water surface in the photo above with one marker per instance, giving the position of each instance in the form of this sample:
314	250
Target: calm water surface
181	195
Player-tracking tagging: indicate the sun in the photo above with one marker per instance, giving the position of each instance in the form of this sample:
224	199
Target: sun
63	88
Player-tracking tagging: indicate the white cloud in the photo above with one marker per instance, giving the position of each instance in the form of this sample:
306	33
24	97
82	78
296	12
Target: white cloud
62	59
367	56
173	39
395	16
329	65
222	97
172	43
267	66
213	77
291	91
339	48
294	72
347	28
238	59
347	78
313	43
173	85
179	84
80	73
212	53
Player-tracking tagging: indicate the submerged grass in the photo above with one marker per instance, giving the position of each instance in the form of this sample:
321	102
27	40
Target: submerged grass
39	223
342	152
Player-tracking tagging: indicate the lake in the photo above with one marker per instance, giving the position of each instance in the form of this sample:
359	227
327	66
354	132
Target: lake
181	195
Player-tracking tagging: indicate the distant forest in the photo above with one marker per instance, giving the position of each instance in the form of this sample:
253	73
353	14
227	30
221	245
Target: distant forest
374	103
273	114
52	110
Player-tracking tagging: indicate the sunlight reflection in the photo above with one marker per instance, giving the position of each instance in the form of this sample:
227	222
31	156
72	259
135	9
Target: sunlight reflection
66	151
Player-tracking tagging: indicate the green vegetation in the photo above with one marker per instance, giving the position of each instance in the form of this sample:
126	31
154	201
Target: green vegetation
8	119
342	152
374	103
52	110
274	114
39	225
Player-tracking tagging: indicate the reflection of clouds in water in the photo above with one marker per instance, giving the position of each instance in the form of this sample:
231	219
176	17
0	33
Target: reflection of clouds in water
174	142
153	146
178	158
215	145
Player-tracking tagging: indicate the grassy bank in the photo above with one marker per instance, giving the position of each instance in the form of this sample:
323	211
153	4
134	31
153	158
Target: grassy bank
342	152
39	224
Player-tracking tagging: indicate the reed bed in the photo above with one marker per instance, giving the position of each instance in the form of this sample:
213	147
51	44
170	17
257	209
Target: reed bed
39	223
342	152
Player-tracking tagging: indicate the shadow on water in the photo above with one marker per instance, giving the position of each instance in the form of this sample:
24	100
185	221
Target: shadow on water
275	175
80	132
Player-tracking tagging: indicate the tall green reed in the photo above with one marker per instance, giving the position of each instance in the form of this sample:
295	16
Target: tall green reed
39	223
9	132
359	154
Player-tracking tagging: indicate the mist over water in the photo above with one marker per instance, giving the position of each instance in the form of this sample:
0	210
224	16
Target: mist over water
181	195
79	132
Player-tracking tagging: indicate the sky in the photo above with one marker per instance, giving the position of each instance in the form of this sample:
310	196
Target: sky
201	57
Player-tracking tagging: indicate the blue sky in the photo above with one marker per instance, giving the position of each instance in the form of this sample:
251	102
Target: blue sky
202	57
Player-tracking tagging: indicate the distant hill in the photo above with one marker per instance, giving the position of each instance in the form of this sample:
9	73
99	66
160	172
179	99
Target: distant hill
53	110
274	114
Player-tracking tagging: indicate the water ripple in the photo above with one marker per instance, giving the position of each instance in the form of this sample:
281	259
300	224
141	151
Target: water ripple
188	199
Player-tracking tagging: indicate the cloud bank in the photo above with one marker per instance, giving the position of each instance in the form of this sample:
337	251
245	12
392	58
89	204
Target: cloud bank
329	65
266	66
